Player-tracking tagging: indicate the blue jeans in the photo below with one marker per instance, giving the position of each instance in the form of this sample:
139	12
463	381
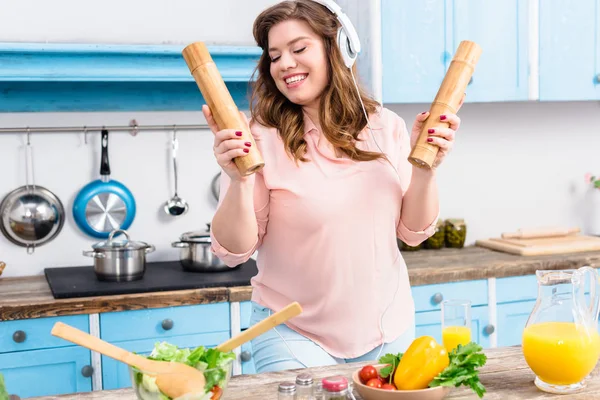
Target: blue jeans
271	352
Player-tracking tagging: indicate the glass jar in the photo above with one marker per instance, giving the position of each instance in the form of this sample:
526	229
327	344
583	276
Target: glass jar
436	241
406	247
335	388
304	387
287	391
456	233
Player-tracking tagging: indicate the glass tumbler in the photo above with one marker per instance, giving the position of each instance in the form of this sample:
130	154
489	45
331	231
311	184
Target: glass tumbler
456	323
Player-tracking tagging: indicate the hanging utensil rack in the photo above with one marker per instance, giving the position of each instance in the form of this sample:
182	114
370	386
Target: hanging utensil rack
133	128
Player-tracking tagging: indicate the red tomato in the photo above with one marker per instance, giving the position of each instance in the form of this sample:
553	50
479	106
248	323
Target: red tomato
383	380
217	393
388	386
375	383
367	373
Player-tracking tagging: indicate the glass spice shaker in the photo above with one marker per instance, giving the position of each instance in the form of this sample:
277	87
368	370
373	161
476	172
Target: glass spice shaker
287	391
335	388
304	387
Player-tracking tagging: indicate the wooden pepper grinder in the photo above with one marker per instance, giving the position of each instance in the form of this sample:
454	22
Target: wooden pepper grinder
447	100
220	102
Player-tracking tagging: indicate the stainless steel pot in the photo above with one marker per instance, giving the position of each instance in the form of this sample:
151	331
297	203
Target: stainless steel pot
195	254
119	261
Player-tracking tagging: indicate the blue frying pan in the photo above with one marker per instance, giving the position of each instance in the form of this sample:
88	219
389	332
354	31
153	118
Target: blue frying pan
104	205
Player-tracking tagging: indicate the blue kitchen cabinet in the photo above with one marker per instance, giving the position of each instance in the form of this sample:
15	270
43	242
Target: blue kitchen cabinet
414	49
501	28
185	326
419	40
569	50
115	374
430	323
248	366
512	318
47	372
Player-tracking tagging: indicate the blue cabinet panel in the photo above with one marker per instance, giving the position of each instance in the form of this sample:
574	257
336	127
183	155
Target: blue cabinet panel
516	288
512	318
430	324
115	375
46	372
501	29
248	367
414	53
569	59
37	332
426	297
151	323
245	314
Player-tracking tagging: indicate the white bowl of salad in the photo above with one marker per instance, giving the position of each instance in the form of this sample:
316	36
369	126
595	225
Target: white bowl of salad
215	365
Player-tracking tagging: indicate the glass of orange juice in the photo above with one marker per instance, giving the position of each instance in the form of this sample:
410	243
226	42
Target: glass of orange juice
456	323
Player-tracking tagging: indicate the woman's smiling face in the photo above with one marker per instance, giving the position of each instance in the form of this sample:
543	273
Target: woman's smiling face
298	62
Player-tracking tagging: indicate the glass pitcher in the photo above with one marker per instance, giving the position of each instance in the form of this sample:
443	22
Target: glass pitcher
561	343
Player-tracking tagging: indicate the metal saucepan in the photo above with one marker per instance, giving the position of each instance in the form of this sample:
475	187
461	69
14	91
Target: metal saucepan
104	204
31	215
119	261
195	254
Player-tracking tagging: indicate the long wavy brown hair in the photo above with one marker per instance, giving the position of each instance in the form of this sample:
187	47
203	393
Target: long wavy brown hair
340	113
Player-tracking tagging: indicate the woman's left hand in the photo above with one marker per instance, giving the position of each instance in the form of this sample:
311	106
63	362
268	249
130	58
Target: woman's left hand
441	137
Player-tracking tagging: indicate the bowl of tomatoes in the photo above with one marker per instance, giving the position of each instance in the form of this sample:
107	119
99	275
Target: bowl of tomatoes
372	386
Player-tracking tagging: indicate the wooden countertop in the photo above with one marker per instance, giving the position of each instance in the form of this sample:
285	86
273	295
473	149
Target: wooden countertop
30	297
506	376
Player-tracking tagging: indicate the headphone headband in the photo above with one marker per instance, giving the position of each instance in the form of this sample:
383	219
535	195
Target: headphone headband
348	40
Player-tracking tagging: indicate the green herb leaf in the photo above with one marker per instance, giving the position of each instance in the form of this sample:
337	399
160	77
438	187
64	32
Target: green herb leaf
3	392
393	360
462	370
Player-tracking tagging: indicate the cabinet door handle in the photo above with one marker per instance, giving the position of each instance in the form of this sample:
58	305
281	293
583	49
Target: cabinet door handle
19	336
597	79
470	81
14	397
167	324
489	329
437	298
246	356
87	371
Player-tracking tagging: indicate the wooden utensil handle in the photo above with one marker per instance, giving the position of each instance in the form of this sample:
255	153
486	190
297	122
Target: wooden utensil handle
258	329
221	104
447	100
88	341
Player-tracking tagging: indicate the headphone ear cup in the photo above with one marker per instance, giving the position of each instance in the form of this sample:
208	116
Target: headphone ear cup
344	46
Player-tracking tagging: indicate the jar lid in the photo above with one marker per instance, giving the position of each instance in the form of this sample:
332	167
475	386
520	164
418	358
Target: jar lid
197	236
335	383
304	379
287	387
112	244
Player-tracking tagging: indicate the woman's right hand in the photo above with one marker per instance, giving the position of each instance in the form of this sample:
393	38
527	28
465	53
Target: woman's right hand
227	145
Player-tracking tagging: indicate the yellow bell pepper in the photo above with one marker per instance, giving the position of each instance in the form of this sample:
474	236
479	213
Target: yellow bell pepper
423	360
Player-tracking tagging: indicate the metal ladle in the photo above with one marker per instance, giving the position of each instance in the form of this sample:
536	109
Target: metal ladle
176	206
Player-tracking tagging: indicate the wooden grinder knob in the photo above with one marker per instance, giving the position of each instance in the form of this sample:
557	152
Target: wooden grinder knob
447	100
221	104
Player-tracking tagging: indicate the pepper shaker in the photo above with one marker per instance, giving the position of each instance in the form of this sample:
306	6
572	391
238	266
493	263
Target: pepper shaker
287	391
304	387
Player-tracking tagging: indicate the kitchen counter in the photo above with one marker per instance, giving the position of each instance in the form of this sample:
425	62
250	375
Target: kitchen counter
506	376
30	297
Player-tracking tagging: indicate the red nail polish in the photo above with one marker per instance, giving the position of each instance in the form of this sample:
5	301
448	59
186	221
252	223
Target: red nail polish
424	112
442	117
238	133
431	130
246	150
430	139
248	144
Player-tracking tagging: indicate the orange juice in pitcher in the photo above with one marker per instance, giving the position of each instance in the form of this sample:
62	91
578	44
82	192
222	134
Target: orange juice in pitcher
561	343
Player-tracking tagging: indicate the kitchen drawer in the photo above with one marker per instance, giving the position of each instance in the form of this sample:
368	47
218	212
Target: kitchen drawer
429	297
512	318
516	289
33	334
163	322
115	375
245	314
47	372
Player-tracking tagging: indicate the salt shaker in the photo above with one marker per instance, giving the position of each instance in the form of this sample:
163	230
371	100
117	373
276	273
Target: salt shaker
304	387
287	391
335	388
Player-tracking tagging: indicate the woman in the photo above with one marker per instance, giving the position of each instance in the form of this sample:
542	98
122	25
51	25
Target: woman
325	211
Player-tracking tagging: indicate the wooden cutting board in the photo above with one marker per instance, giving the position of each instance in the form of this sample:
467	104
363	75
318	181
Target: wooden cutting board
541	246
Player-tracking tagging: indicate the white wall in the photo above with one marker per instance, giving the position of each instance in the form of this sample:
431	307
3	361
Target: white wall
515	165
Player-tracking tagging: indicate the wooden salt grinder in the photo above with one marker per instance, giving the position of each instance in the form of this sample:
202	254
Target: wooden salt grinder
447	100
221	104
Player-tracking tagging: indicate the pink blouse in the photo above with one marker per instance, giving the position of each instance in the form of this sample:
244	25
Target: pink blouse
327	233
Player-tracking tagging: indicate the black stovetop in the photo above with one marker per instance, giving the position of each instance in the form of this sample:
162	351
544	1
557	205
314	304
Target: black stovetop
69	282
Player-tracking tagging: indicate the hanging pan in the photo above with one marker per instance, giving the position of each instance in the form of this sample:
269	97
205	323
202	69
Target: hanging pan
31	215
104	205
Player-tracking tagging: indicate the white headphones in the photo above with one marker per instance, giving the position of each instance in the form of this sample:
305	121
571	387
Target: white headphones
347	38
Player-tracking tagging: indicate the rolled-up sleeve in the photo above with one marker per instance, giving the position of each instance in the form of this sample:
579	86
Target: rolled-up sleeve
404	167
261	210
